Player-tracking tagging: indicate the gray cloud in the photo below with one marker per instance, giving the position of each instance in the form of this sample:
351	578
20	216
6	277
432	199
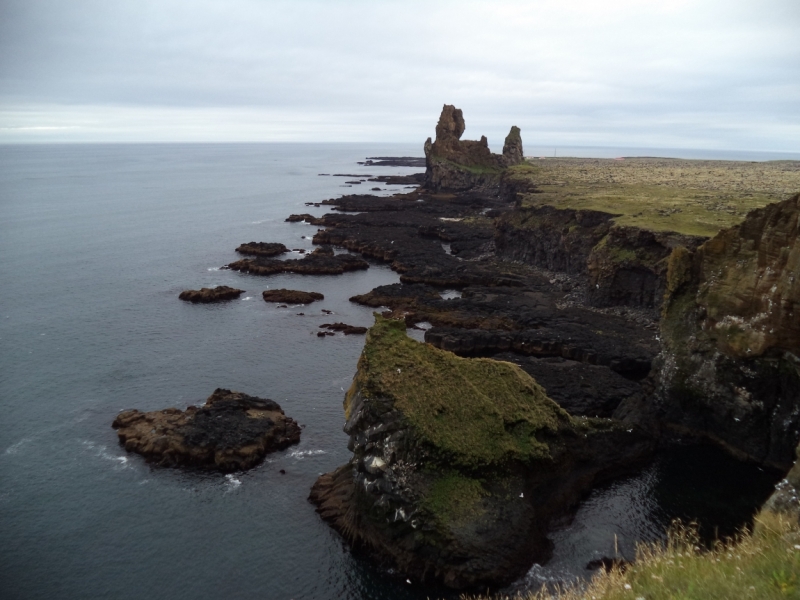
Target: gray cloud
623	72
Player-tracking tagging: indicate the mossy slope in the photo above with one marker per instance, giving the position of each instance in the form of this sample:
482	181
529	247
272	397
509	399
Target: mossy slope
476	411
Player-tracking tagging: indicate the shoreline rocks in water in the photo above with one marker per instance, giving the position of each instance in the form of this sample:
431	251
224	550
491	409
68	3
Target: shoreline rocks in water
344	328
262	249
460	464
321	261
207	295
291	296
231	431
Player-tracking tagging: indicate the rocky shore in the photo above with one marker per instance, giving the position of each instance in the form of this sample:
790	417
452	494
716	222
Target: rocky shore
291	296
207	295
658	333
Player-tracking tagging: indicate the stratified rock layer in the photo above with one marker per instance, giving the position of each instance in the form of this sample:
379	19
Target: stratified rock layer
730	367
207	295
459	464
453	164
232	431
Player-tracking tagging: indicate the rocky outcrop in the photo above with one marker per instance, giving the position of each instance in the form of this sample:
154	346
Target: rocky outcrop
262	249
453	164
291	296
344	328
321	261
232	431
730	368
459	464
207	295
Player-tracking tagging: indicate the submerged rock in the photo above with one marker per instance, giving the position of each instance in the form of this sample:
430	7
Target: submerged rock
454	164
215	294
291	296
730	367
459	464
344	328
232	431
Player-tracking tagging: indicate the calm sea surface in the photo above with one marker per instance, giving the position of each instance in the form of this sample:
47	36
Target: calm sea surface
96	243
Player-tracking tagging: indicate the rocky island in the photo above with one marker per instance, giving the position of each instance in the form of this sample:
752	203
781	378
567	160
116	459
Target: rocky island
231	431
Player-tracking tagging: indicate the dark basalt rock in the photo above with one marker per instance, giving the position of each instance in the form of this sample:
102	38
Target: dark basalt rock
455	164
291	296
344	328
262	249
232	431
729	369
305	217
460	464
321	261
206	295
393	161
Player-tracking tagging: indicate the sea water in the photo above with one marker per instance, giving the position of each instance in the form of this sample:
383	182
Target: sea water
96	243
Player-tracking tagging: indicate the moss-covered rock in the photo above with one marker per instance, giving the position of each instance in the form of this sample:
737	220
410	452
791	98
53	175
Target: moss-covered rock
459	464
731	334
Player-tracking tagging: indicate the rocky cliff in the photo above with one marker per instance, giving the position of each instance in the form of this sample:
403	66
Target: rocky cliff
459	464
730	366
453	164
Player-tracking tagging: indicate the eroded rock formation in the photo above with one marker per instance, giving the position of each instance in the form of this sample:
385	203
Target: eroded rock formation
321	261
232	431
459	464
730	368
453	164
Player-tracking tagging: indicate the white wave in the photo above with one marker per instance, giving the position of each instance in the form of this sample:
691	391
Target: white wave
232	482
261	221
213	268
247	298
121	462
14	448
301	454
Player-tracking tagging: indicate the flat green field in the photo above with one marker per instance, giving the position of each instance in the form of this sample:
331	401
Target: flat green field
695	197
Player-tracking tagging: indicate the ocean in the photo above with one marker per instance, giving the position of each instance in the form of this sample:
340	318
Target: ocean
97	241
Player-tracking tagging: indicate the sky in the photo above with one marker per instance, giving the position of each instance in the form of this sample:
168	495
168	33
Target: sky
656	73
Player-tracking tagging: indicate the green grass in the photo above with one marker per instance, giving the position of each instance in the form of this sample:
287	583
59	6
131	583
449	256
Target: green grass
692	197
763	564
477	412
454	499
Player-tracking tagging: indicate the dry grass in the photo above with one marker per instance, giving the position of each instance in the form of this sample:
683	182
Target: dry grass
696	197
762	564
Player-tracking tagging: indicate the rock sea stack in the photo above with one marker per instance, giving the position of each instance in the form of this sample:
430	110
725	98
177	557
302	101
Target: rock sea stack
459	464
207	295
232	431
291	296
453	164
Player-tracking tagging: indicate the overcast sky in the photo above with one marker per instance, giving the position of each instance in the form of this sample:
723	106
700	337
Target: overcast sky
669	74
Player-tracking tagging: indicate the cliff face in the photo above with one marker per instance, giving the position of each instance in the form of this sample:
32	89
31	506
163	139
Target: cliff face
731	336
623	266
458	464
453	164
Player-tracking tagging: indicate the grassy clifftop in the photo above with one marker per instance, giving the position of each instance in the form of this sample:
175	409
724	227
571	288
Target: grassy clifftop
694	197
476	411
